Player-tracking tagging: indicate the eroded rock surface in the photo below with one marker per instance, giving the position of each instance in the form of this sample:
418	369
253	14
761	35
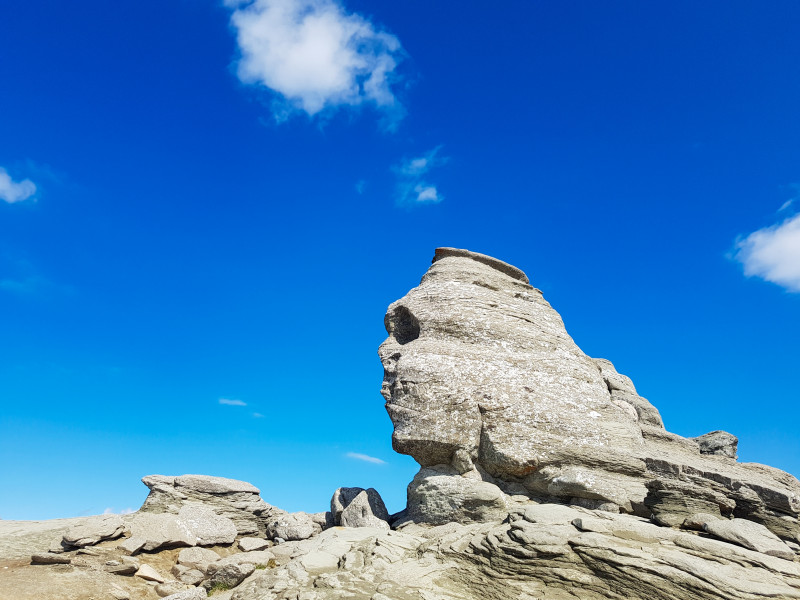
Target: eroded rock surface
481	376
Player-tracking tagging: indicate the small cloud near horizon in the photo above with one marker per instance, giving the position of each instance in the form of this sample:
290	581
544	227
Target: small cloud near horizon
229	402
773	253
365	458
15	191
124	511
315	56
412	187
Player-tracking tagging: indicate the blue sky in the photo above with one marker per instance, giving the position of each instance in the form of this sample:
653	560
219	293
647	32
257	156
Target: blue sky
206	207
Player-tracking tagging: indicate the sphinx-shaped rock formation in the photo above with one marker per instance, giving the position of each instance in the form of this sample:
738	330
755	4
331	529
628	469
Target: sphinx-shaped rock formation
482	378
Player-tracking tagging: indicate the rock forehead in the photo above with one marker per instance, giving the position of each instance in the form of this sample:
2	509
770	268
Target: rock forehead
476	359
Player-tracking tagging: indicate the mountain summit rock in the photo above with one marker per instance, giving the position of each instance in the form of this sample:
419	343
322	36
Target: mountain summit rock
482	381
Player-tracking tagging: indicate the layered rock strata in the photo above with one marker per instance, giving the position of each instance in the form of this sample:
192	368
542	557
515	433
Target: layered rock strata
481	377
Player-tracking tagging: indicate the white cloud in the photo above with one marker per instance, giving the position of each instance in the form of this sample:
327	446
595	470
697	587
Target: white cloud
773	253
258	415
124	511
229	402
412	188
315	55
15	191
365	458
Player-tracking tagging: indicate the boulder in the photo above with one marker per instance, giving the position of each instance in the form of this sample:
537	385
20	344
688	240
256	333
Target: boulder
148	573
46	558
237	500
438	495
191	594
208	527
357	507
249	544
153	531
719	443
94	530
341	498
227	575
291	526
197	558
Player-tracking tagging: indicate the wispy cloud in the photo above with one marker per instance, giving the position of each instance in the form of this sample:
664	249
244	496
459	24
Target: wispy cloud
365	458
229	402
412	185
773	253
258	415
315	56
15	191
124	511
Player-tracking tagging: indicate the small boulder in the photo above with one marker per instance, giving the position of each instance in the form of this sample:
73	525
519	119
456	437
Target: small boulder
250	544
438	495
169	588
148	573
191	594
94	530
50	559
227	575
341	498
366	510
207	526
291	526
720	443
188	575
197	558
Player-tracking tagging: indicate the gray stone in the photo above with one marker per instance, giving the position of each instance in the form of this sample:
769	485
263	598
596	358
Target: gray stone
750	535
249	544
97	529
437	495
481	375
50	559
188	575
169	588
698	521
192	594
148	573
152	531
208	527
227	575
719	443
237	500
341	498
366	510
291	526
197	558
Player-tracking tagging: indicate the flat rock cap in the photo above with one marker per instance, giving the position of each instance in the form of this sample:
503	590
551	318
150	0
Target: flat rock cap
495	263
201	483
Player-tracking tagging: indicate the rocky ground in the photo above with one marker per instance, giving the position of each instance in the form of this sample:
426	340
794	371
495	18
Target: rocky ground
544	475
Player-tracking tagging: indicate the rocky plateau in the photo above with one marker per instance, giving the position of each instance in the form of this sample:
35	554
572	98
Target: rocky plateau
543	475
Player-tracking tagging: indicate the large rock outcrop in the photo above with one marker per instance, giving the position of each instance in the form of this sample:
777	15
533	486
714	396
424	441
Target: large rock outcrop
481	376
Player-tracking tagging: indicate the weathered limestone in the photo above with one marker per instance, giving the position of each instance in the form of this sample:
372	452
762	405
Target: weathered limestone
94	530
720	443
439	495
237	500
357	507
481	375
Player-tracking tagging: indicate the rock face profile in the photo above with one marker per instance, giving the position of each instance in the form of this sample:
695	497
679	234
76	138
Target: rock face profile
543	475
481	376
